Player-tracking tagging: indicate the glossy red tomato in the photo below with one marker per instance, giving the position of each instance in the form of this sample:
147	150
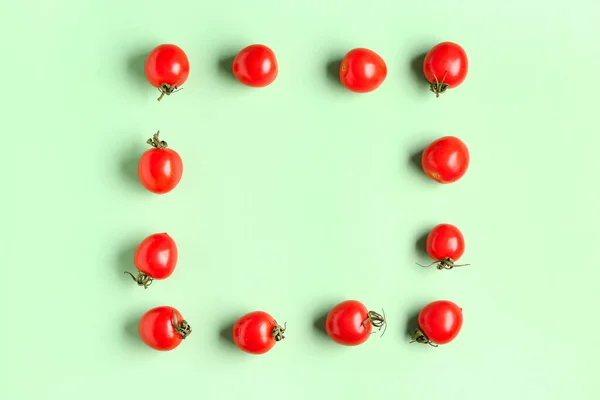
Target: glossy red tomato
155	258
362	70
257	332
163	328
445	244
255	66
445	66
350	323
160	168
167	68
439	323
446	159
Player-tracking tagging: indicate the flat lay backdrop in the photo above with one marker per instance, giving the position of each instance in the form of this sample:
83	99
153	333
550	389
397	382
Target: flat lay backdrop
298	196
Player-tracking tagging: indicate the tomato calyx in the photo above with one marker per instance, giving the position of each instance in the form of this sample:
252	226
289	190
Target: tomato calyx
182	327
439	87
156	142
166	89
278	331
377	320
445	263
141	279
420	337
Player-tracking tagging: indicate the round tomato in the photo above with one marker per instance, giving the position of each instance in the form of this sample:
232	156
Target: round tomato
155	258
350	323
439	323
163	328
257	332
160	169
445	244
445	66
446	159
167	68
362	70
255	66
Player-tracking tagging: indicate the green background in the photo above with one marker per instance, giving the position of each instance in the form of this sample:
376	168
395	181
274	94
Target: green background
297	196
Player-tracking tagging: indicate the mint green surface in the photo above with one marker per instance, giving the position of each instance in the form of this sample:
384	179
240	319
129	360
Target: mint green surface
297	196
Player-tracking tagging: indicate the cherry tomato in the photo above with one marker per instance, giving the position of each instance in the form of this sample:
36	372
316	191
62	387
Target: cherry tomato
155	258
446	159
445	66
445	244
160	169
167	68
350	323
439	323
362	70
257	332
163	328
255	66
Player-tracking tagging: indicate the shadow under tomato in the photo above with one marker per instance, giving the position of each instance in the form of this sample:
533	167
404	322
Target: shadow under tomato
124	262
226	333
319	321
412	323
333	71
130	330
135	66
225	65
416	67
421	246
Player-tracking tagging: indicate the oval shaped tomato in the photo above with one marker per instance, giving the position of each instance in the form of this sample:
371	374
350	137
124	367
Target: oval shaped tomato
446	159
163	328
255	66
167	68
445	66
257	332
362	70
439	323
160	169
445	244
155	258
350	323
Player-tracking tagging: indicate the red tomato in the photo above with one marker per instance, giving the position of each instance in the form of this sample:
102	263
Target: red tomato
255	66
160	169
167	68
163	328
446	159
362	70
445	244
350	323
445	66
439	323
257	332
155	258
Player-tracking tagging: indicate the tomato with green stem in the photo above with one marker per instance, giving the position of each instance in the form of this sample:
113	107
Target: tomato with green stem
160	169
439	323
155	258
445	67
445	245
257	332
163	328
167	68
446	159
350	323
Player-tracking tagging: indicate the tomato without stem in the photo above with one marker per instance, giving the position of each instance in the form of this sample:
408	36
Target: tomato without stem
167	68
155	258
160	168
445	66
362	70
255	66
439	323
163	328
445	244
350	323
257	332
446	159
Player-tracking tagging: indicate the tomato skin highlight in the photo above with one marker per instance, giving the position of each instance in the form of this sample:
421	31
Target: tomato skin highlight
446	245
156	256
163	328
362	70
160	169
257	332
255	66
446	159
439	323
445	66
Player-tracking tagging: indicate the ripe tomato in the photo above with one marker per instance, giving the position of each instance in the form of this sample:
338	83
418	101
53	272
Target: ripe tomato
439	323
350	323
445	66
167	68
446	159
257	332
445	244
362	70
155	258
255	66
163	328
160	169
